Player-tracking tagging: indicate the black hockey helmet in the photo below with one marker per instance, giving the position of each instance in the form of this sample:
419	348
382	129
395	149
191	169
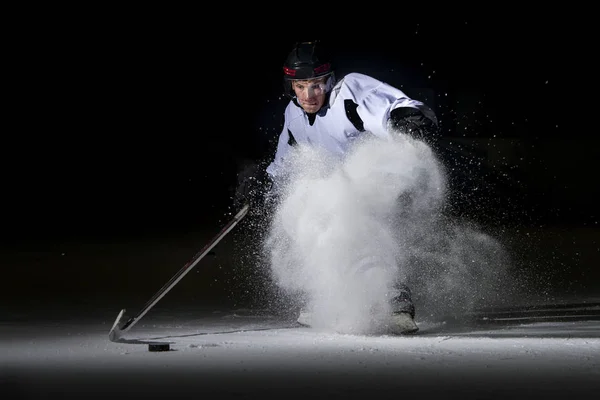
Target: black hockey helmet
307	60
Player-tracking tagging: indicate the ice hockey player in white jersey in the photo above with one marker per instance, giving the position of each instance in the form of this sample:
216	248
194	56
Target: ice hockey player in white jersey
332	114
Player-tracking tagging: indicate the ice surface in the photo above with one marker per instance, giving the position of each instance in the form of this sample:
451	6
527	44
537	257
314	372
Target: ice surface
243	353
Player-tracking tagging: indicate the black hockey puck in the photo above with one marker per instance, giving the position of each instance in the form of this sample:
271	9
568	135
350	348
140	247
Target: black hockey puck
159	347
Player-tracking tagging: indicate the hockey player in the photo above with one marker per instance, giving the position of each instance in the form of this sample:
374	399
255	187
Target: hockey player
332	114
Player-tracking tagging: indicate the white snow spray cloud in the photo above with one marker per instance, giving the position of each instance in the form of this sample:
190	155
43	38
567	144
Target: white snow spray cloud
346	231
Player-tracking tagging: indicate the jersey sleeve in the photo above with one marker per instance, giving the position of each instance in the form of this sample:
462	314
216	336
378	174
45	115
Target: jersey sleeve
377	99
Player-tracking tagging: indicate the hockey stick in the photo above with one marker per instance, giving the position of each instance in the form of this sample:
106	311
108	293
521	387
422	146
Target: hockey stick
118	330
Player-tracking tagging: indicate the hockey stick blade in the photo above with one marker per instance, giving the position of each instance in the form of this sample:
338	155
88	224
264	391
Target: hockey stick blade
115	332
118	328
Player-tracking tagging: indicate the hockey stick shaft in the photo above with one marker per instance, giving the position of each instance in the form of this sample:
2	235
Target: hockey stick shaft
117	331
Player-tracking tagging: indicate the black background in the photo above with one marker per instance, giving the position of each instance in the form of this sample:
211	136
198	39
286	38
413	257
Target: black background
127	134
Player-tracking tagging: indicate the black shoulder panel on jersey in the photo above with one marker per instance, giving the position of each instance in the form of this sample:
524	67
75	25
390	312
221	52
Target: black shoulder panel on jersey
353	116
292	139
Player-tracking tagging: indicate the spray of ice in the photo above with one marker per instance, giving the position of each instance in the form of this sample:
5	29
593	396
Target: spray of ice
347	230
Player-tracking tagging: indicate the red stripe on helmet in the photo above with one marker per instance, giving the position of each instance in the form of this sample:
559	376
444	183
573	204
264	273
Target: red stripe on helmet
323	68
289	71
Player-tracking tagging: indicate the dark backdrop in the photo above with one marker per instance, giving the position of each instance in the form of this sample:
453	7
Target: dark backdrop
132	136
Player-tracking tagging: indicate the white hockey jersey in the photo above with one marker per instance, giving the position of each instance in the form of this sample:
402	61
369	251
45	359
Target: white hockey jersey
358	105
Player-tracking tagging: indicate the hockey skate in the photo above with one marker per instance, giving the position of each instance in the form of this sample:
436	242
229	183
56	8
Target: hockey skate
403	323
304	318
403	312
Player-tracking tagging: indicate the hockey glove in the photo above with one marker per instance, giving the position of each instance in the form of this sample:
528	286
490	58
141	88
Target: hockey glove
252	184
412	122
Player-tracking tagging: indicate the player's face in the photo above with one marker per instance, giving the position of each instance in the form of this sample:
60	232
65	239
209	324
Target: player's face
310	94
